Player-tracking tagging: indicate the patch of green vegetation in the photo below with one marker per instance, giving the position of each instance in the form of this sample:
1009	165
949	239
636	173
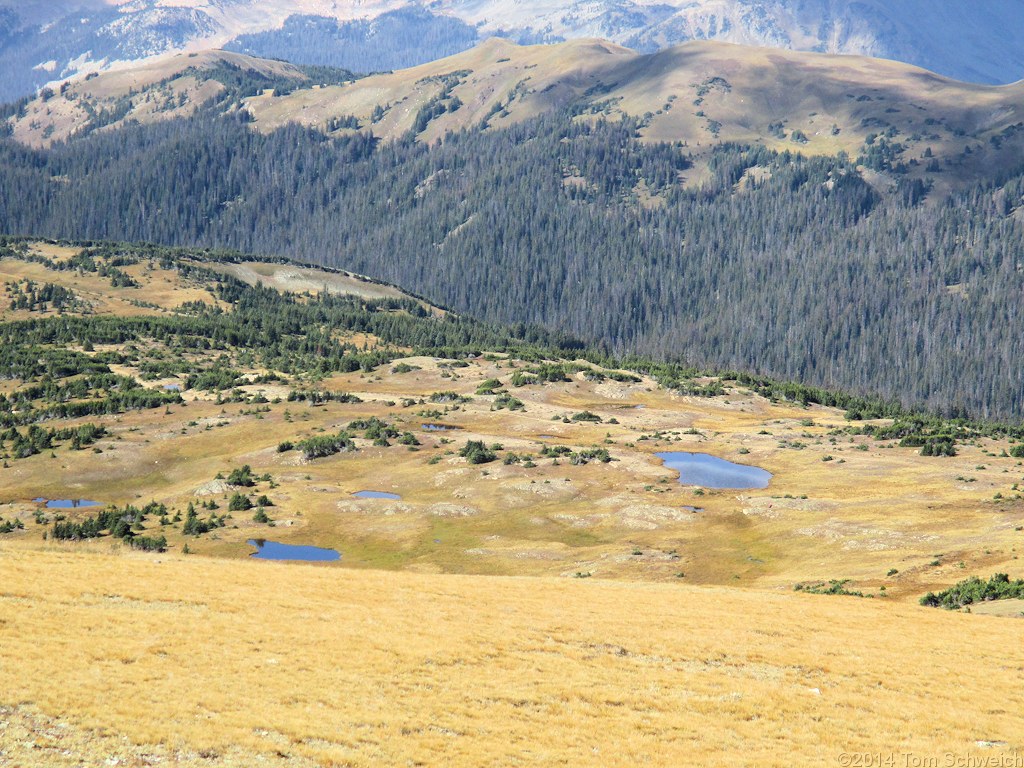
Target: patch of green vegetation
40	298
242	476
316	397
443	102
447	397
831	587
9	526
123	524
974	590
261	516
489	387
319	446
506	400
475	452
20	445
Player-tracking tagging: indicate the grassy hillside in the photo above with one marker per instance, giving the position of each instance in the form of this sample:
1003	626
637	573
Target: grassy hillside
191	375
699	93
193	661
160	291
158	90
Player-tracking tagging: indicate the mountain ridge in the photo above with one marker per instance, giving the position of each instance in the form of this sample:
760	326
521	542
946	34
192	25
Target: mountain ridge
42	43
701	94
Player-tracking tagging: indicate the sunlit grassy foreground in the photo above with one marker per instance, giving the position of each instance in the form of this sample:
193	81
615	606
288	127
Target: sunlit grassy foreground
336	667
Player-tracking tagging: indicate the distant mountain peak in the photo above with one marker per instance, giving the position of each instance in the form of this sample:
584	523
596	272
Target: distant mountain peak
43	42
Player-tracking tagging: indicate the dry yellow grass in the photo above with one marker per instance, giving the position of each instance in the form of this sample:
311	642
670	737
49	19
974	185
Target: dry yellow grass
366	668
159	291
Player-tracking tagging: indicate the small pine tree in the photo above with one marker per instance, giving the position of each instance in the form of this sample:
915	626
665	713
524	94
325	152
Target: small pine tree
192	524
239	503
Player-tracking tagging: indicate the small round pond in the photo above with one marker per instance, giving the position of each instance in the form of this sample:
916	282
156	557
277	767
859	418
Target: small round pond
712	472
376	495
273	550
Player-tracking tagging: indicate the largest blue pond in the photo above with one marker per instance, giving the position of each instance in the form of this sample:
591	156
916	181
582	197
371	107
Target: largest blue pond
712	472
273	550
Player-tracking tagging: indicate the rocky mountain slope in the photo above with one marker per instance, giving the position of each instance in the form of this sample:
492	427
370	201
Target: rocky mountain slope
42	42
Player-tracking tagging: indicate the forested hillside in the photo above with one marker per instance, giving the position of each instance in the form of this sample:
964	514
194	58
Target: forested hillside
779	264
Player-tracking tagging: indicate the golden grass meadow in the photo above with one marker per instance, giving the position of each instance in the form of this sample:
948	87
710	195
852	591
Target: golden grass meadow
216	661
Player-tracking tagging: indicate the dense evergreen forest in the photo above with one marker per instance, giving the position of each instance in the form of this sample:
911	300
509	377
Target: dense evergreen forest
809	274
